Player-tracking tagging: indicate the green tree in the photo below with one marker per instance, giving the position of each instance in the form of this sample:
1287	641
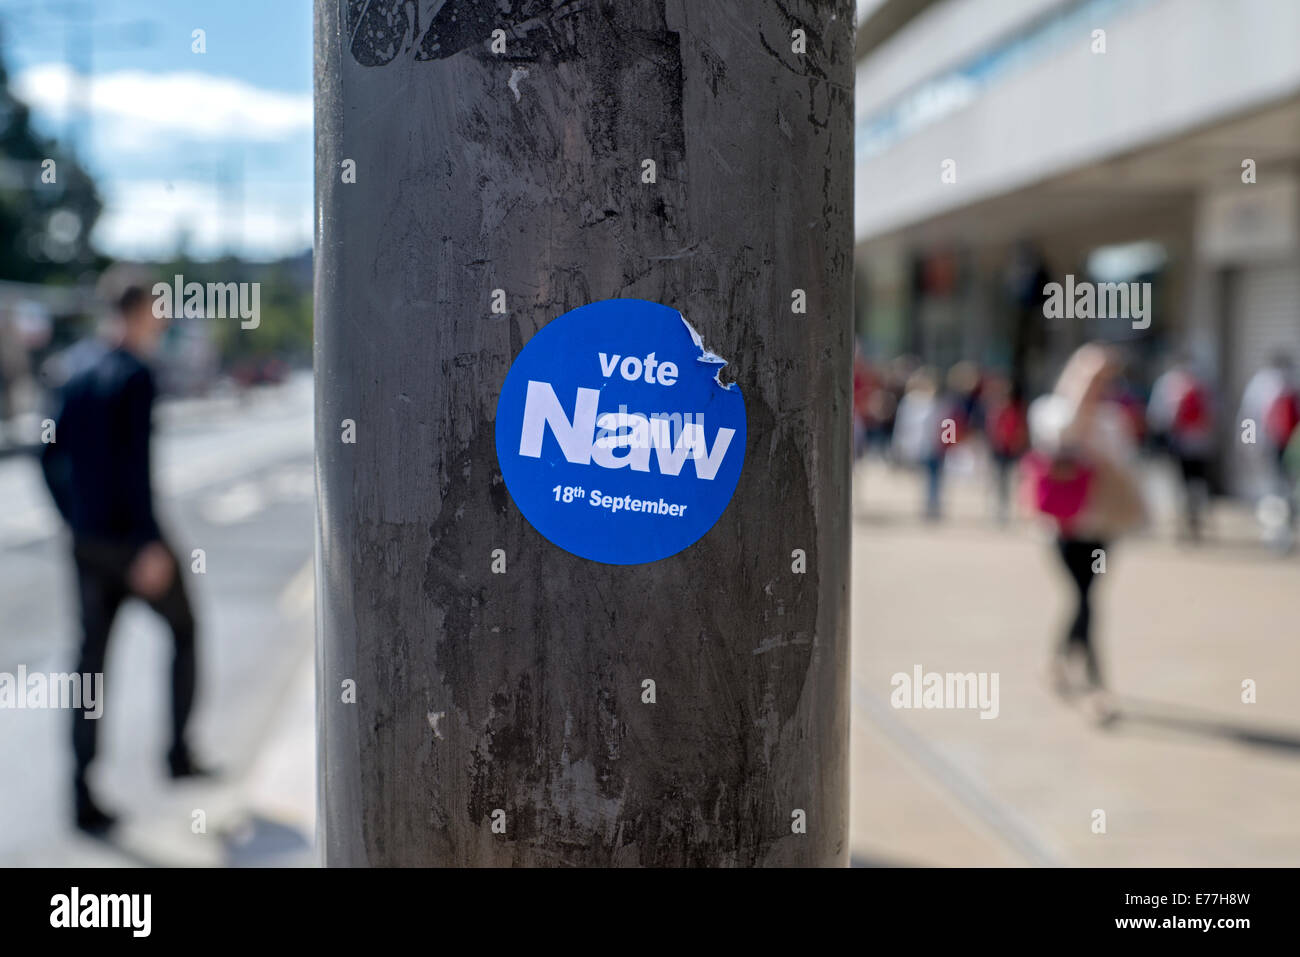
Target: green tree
46	211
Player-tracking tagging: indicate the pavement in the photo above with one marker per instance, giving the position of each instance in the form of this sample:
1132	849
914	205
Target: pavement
1188	775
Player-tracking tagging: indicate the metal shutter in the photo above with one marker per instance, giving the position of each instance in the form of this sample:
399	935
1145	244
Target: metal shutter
1264	317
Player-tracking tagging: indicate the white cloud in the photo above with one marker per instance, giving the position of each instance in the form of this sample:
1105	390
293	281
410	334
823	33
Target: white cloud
196	105
146	218
168	129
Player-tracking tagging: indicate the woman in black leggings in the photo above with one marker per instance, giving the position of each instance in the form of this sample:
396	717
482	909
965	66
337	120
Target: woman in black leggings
1079	556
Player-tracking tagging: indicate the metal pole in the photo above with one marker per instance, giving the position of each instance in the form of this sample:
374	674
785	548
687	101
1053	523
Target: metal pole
482	692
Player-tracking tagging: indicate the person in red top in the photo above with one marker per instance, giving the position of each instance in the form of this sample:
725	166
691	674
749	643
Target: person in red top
1006	425
1272	402
1082	476
1181	414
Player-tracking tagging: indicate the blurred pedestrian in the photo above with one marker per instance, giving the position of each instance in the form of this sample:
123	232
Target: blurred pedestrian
882	407
1128	399
863	386
966	397
1081	474
98	472
1270	406
1291	462
1181	415
919	434
1006	424
885	403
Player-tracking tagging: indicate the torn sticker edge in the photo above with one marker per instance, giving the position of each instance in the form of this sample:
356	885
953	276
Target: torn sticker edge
707	356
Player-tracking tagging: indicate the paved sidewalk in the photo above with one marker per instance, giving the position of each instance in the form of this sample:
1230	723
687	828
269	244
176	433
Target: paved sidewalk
258	812
1189	775
278	795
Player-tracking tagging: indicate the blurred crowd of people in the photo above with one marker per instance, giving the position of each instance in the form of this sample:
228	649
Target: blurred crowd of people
915	415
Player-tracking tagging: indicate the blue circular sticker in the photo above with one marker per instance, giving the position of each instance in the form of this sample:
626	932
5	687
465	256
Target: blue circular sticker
616	438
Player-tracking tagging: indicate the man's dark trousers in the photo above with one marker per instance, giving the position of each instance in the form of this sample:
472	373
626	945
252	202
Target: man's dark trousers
101	569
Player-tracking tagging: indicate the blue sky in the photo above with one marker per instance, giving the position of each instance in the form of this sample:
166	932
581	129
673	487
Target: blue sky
215	147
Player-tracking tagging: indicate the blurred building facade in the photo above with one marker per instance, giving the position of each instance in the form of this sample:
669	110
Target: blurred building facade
1003	144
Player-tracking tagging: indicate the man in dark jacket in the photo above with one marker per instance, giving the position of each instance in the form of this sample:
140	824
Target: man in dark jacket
97	469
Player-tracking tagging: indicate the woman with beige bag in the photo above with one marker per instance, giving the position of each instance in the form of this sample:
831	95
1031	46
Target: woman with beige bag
1081	474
